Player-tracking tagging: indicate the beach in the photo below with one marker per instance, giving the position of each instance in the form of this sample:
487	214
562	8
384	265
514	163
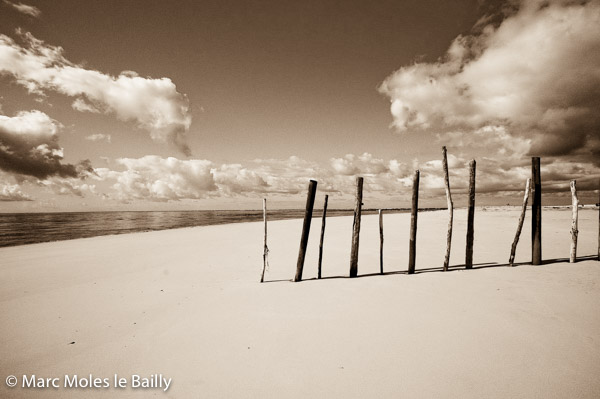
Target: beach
187	304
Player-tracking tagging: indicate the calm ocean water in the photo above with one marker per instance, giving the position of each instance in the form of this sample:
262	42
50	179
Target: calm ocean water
28	228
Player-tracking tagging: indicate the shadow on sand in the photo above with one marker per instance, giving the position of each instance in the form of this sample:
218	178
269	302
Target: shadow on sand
451	268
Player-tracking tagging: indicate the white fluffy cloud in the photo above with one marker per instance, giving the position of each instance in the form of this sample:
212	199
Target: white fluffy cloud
532	81
32	11
12	192
153	104
29	146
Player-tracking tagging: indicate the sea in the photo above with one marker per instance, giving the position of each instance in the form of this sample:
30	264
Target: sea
29	228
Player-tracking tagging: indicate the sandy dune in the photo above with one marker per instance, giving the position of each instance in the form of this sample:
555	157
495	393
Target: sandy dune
187	304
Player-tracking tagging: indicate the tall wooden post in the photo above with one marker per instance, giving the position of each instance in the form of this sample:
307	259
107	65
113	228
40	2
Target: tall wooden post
536	213
356	228
574	229
412	249
599	220
450	209
471	216
265	248
513	249
310	202
381	241
322	235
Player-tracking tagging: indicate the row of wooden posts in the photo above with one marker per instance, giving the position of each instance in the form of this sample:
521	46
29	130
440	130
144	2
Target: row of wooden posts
536	233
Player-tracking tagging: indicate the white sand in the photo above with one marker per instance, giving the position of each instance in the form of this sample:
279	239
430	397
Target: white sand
187	304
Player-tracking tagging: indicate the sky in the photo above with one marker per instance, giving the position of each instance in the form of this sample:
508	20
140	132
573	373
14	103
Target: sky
123	105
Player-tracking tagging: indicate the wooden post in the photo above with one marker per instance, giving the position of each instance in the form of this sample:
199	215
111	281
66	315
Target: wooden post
322	235
412	250
536	213
265	248
450	209
381	241
513	249
574	230
310	202
356	228
598	220
471	216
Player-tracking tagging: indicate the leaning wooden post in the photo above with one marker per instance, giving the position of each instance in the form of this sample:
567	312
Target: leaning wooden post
381	241
536	212
265	248
412	250
356	228
471	216
450	209
322	236
513	249
310	202
574	230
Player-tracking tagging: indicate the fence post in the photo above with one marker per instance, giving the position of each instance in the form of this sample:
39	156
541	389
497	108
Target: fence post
265	248
322	235
381	241
471	216
513	249
574	230
310	202
412	250
356	228
536	213
450	209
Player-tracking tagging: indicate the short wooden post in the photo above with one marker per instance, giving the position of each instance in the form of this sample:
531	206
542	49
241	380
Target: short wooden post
412	250
381	241
471	216
513	249
310	202
265	248
450	209
356	228
536	212
322	235
599	220
574	230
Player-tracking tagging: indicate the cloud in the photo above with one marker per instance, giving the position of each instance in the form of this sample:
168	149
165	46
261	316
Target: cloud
80	105
532	80
153	104
29	146
160	179
24	9
12	192
99	137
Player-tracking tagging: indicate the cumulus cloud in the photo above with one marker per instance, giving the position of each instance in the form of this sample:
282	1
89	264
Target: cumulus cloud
29	146
532	80
32	11
153	104
99	137
160	179
12	192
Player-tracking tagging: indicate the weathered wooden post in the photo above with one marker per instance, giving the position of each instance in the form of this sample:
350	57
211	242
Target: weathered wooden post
310	202
471	216
322	235
356	228
513	249
574	230
265	248
412	249
536	213
381	241
599	220
450	209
